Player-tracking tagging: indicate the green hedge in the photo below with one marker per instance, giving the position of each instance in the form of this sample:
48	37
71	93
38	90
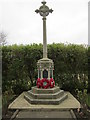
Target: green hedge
19	66
89	69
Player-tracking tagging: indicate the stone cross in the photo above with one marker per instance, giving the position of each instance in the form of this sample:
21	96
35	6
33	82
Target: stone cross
44	11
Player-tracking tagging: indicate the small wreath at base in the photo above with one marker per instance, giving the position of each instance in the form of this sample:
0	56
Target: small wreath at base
39	84
52	83
45	83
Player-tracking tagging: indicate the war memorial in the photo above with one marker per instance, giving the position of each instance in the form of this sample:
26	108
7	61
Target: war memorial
46	95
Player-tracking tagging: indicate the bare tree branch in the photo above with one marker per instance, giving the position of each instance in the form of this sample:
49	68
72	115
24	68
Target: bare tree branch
3	39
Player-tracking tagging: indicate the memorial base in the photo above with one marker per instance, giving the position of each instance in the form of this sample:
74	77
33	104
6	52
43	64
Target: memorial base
53	96
45	96
21	103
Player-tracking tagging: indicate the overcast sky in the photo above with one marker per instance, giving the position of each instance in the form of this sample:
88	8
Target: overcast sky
67	24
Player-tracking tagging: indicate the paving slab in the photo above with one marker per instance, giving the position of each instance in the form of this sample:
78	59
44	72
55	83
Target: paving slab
44	114
20	103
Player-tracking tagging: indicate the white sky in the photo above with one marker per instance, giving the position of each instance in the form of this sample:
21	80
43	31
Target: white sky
67	23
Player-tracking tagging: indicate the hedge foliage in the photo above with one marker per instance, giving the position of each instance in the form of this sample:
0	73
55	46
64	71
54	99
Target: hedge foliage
19	66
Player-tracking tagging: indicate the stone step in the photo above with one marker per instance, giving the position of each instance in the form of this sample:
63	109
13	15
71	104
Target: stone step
45	101
45	91
46	96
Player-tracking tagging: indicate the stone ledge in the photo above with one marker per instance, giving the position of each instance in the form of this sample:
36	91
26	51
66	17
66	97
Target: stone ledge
58	94
53	96
70	103
45	101
46	115
45	91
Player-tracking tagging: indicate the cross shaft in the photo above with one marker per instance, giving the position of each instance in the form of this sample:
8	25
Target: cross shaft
44	11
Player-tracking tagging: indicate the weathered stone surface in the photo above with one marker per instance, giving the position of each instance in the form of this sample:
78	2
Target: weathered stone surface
58	94
46	115
45	64
45	91
20	103
45	96
45	101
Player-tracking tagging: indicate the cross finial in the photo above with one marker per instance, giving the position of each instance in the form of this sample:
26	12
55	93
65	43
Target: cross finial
43	2
44	10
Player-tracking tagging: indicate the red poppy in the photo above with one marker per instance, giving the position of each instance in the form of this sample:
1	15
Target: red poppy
39	84
45	83
52	83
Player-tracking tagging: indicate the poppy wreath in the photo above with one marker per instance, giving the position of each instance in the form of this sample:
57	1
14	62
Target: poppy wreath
39	84
52	83
45	83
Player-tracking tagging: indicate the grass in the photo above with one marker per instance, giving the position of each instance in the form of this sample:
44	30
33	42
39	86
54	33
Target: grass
88	100
6	99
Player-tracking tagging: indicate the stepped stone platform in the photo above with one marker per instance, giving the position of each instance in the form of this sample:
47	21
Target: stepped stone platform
53	96
20	103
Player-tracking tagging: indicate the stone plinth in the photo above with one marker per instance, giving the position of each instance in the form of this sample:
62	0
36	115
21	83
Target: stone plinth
45	96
